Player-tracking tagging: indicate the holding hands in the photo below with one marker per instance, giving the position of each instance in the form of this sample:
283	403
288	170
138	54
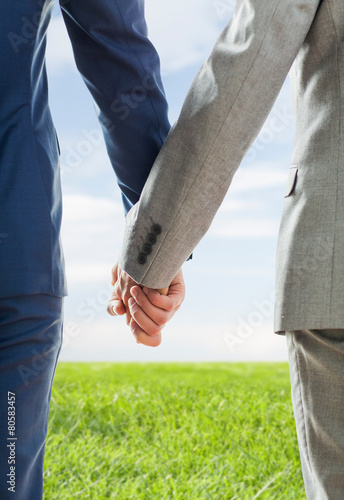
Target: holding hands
147	310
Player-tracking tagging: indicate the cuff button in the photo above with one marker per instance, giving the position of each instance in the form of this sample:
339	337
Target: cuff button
147	248
142	258
156	229
151	238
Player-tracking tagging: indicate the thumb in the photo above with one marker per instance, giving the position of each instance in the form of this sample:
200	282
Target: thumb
115	307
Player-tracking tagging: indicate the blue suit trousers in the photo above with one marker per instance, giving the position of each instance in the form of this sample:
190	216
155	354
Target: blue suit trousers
30	343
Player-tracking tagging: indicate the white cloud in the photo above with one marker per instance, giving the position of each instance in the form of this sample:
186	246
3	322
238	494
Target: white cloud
183	32
92	232
261	175
245	228
230	205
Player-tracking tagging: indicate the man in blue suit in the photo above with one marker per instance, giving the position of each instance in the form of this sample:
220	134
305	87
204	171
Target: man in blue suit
116	60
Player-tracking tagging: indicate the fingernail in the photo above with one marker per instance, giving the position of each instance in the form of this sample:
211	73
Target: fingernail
131	302
133	292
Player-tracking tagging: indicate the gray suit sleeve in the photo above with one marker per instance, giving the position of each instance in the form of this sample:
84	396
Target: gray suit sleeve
225	108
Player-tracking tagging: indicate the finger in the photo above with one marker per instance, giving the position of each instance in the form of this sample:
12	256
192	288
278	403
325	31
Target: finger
115	307
118	292
168	303
142	338
144	321
128	316
147	310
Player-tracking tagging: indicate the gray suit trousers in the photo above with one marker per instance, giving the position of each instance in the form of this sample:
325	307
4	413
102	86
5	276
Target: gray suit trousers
316	360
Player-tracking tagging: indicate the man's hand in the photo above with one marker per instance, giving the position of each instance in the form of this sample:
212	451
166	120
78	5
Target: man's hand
150	310
122	283
147	310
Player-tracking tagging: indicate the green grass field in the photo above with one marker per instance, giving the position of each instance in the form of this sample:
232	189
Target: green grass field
172	431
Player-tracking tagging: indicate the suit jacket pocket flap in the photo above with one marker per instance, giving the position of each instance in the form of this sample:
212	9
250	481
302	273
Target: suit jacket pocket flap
291	180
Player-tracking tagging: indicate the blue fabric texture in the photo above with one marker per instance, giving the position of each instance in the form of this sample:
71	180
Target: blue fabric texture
122	71
30	343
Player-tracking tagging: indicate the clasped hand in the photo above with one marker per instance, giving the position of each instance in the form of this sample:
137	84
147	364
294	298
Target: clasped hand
147	310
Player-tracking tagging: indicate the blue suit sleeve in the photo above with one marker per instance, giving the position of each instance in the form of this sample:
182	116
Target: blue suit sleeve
121	68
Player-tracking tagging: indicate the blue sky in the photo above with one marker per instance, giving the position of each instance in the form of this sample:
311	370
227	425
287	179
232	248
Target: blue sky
228	311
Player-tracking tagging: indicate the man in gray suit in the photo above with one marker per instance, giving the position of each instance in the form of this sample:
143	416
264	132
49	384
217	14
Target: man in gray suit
224	111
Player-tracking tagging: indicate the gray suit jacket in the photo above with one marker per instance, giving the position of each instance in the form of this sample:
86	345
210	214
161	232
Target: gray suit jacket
224	111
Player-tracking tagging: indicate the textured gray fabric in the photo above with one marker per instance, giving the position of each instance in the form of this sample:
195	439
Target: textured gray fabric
224	111
316	361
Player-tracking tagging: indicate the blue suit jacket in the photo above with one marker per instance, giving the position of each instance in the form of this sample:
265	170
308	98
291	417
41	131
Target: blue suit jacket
115	59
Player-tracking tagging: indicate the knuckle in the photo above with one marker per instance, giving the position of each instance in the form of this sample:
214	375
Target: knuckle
170	307
154	330
161	321
154	297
